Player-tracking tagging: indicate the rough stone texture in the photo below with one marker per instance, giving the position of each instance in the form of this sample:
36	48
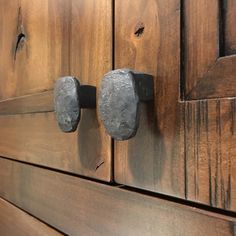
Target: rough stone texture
119	104
66	102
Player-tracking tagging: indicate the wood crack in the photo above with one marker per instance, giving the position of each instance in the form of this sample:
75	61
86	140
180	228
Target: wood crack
19	43
20	33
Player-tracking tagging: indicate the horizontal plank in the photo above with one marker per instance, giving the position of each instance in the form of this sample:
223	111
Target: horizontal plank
39	102
36	138
82	207
218	82
14	221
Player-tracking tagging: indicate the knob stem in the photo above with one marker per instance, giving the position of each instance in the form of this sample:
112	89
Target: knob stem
144	86
87	96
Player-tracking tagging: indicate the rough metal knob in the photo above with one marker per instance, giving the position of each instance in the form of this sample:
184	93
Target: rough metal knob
120	95
69	98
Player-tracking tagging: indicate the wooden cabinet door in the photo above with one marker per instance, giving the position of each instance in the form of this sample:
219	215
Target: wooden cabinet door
41	41
209	89
185	145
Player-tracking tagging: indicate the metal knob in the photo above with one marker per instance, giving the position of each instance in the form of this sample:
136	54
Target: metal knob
120	95
69	98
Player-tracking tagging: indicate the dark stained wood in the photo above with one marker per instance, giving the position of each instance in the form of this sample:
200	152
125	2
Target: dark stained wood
208	37
219	81
35	103
230	30
201	42
82	207
182	148
153	159
13	221
36	138
210	124
210	150
71	37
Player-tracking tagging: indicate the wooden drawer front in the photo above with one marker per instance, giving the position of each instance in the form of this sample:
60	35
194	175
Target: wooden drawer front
13	221
81	207
40	42
183	147
36	138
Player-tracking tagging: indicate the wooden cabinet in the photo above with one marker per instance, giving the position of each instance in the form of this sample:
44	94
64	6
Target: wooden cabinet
184	148
185	145
40	42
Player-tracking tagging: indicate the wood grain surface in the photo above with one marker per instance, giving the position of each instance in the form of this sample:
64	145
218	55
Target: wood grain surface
34	49
153	159
14	221
229	17
41	41
44	40
34	103
182	148
81	207
218	82
200	42
36	138
210	152
208	40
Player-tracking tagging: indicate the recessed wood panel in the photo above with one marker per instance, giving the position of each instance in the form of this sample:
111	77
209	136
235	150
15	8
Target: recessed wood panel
229	14
82	207
208	45
14	221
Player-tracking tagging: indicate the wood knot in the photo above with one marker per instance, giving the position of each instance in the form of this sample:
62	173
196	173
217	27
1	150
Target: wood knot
139	29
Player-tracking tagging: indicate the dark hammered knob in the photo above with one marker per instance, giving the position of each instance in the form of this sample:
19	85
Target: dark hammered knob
69	98
121	92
